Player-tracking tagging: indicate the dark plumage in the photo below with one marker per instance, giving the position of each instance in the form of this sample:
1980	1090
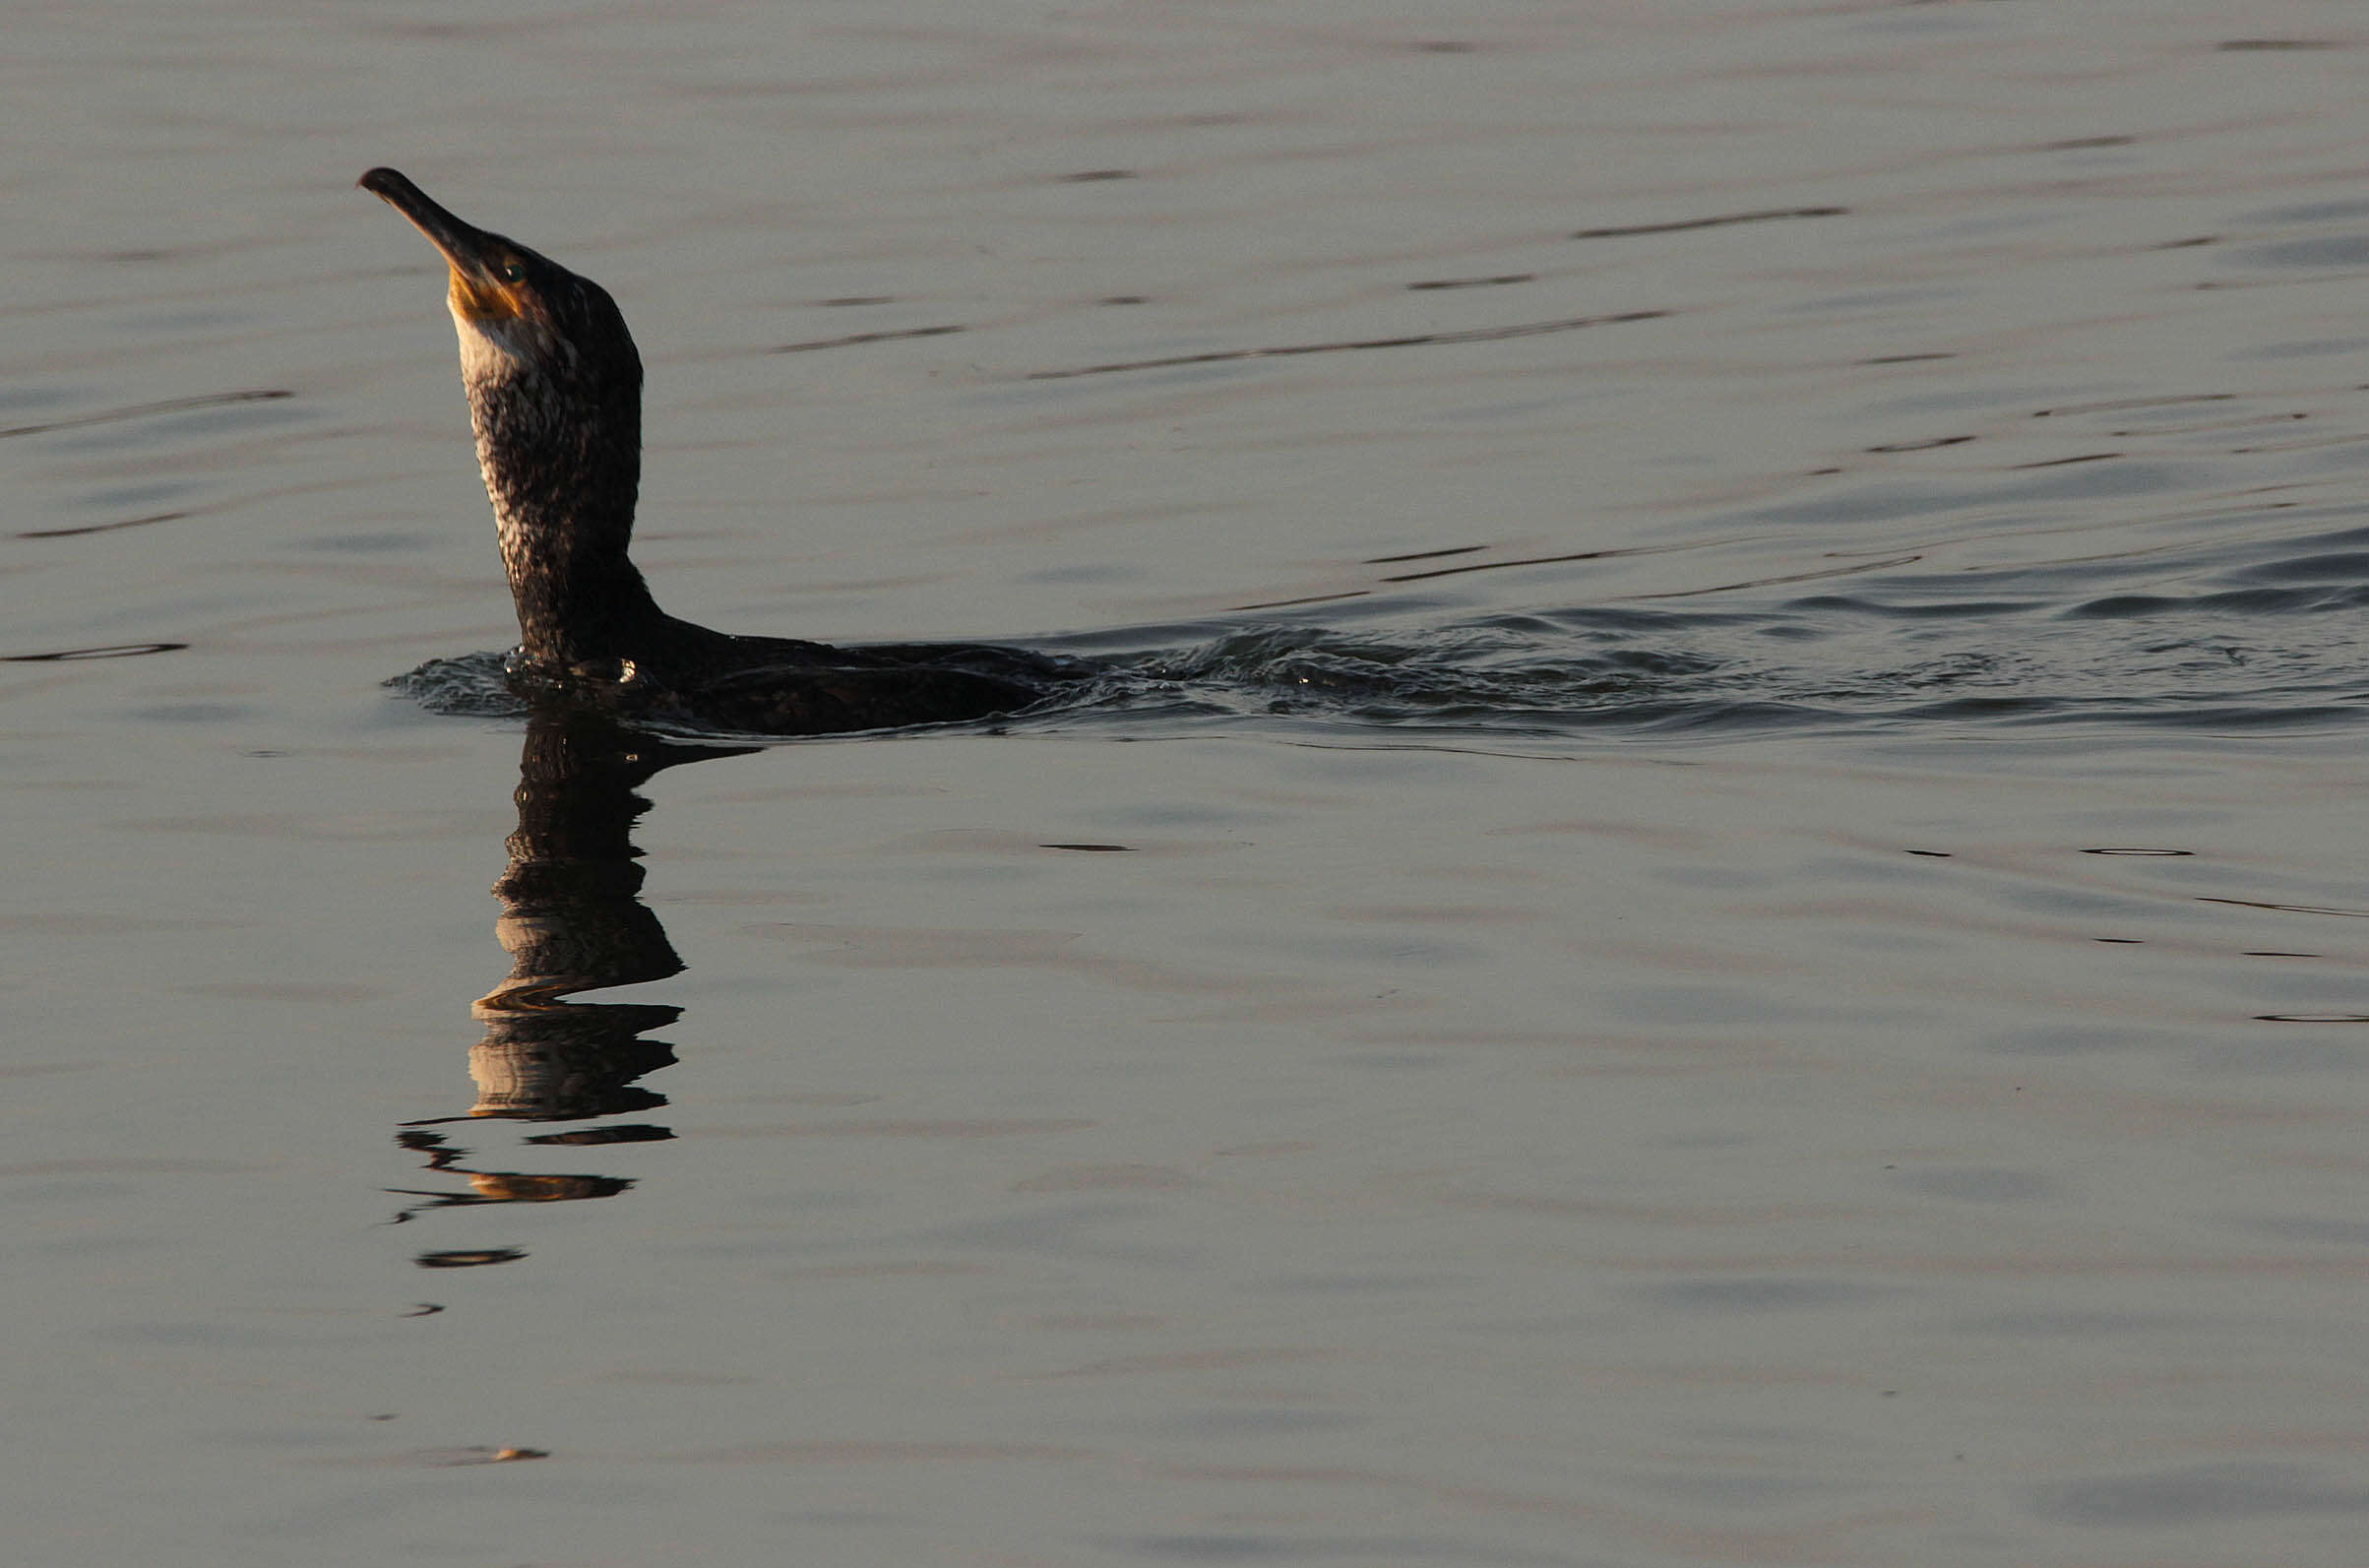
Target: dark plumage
555	392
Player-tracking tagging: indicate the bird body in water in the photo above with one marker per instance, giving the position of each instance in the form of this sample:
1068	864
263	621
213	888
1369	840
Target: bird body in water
555	392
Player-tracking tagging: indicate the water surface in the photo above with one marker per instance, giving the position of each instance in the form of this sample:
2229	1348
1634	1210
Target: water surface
1705	920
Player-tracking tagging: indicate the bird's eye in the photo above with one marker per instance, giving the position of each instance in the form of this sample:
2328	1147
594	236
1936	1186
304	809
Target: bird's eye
514	270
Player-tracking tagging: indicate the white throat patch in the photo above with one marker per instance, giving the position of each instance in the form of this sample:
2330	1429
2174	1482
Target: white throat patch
490	349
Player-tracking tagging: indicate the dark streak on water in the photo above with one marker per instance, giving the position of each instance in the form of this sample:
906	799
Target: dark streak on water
70	655
143	410
1721	222
103	528
1497	281
857	339
1526	328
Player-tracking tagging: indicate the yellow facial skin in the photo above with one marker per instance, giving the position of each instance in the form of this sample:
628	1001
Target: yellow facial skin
500	297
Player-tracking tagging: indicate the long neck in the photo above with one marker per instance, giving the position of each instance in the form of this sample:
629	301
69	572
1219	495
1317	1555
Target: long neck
562	463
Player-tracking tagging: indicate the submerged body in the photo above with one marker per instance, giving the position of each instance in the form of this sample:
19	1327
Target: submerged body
555	392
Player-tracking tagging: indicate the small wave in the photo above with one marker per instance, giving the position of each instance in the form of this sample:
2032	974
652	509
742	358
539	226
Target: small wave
474	685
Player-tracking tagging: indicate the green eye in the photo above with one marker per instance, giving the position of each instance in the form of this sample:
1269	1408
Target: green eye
514	270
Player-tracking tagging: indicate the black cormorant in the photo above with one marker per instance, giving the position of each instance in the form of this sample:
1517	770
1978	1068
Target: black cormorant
555	392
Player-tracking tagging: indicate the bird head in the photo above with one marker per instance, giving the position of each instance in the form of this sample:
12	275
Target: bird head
519	313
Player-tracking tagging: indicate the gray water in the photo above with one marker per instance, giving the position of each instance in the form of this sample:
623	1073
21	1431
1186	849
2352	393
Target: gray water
1704	918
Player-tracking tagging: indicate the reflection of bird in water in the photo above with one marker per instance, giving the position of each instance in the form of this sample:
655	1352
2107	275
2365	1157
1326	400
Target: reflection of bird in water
573	922
555	391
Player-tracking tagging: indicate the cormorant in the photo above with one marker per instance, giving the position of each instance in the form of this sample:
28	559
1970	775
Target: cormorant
555	392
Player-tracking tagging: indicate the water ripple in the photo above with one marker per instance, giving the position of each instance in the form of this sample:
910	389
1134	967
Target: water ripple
2217	642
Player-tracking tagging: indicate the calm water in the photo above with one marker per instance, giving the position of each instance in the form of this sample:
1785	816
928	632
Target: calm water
1709	915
